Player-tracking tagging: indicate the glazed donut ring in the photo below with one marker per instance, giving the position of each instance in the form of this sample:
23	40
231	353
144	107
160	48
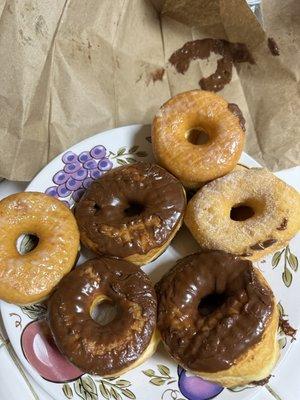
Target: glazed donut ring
195	164
123	343
218	318
132	212
29	278
274	204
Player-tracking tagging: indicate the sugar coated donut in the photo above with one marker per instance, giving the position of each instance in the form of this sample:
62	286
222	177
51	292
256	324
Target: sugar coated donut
29	278
175	137
106	348
218	318
249	213
132	212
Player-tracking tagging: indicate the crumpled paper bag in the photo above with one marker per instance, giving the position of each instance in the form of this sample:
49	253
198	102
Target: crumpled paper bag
70	69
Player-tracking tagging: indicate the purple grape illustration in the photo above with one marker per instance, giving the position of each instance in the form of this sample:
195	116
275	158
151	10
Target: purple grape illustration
72	167
80	175
72	184
76	196
87	183
96	173
91	164
84	157
98	152
42	354
60	177
105	164
196	388
69	157
63	191
52	191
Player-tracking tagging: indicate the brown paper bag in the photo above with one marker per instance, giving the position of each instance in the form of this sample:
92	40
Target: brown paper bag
70	69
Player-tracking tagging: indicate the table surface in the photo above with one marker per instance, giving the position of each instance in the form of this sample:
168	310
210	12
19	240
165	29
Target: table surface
16	384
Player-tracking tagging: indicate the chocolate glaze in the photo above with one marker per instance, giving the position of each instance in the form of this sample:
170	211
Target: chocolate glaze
201	49
157	75
235	109
95	348
262	382
273	47
102	213
287	328
213	342
263	245
283	225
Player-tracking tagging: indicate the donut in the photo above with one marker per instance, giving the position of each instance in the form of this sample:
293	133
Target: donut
218	318
116	346
249	213
29	278
132	212
197	137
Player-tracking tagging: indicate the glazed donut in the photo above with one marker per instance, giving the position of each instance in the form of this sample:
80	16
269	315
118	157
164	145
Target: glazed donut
119	345
249	213
29	278
218	318
132	212
174	137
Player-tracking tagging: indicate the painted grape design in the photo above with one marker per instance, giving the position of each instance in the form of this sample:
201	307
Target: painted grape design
79	171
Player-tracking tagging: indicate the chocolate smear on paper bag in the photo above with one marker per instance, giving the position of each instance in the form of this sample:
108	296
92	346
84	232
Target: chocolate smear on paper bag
273	47
156	75
201	49
235	109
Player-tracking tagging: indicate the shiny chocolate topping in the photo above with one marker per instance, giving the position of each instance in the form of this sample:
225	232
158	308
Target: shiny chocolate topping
273	47
212	309
103	349
235	109
130	210
201	48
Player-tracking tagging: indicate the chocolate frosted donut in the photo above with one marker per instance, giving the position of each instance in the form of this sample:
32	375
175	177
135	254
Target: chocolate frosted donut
217	317
132	212
115	347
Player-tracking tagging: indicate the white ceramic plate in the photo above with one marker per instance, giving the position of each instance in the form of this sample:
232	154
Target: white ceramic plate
66	177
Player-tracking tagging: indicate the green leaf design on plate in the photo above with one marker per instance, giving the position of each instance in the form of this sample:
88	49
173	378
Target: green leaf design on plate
28	243
128	393
287	277
149	372
148	138
163	370
130	160
133	149
276	258
280	309
85	388
141	153
121	162
293	261
103	390
67	390
122	383
35	311
157	381
121	151
282	342
114	394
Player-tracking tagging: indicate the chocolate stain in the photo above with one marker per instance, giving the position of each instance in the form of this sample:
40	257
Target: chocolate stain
287	329
262	382
201	48
273	47
235	109
263	245
283	225
157	75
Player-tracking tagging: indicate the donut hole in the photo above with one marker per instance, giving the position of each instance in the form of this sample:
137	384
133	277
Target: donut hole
211	302
104	311
134	209
197	136
241	212
26	243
